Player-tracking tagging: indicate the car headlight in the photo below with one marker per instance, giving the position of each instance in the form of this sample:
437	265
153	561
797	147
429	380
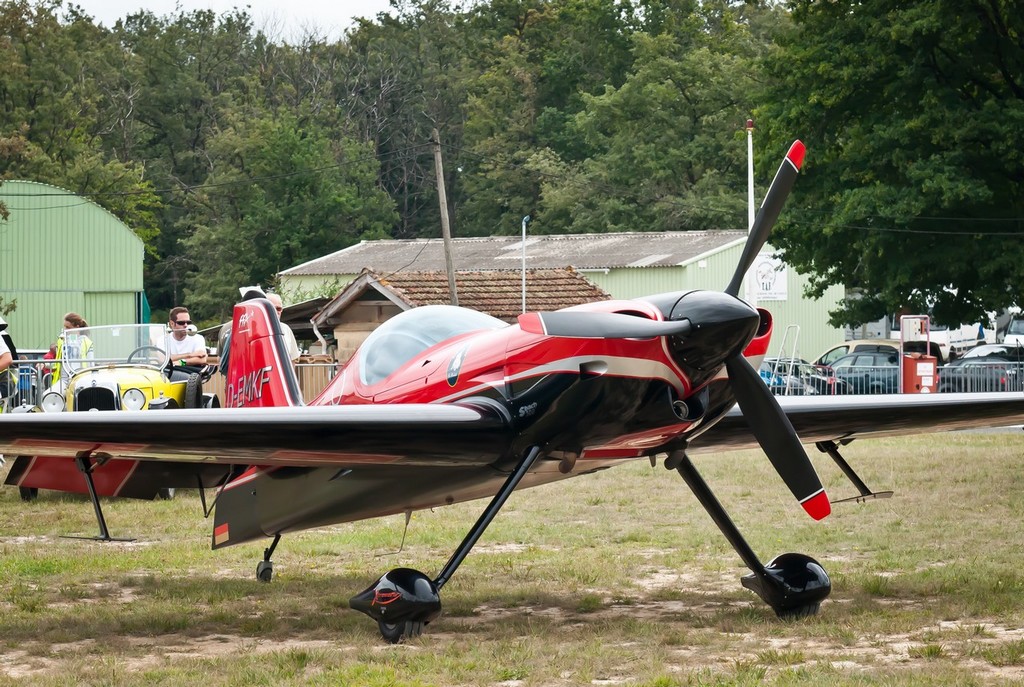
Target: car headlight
52	402
159	403
133	399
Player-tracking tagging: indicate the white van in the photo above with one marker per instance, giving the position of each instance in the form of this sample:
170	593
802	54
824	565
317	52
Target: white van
956	341
1014	331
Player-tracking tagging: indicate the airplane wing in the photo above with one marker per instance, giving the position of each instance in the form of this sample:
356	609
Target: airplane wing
832	418
435	434
341	436
338	461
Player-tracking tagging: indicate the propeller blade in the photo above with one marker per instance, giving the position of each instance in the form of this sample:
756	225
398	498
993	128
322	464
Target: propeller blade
582	324
779	190
777	437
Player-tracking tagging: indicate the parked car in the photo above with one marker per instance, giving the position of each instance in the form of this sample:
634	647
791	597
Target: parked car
127	369
874	372
1014	332
878	346
817	380
989	367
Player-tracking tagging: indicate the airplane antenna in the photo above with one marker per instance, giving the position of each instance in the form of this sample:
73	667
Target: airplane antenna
408	517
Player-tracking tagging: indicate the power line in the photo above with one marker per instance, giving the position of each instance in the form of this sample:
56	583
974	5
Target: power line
928	232
507	165
824	213
220	184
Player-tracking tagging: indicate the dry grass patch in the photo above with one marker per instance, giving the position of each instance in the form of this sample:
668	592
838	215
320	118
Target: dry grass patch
615	579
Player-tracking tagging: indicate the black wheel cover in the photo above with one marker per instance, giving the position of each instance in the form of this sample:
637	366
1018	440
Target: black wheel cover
194	391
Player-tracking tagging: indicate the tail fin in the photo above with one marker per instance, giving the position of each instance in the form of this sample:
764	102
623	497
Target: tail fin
258	370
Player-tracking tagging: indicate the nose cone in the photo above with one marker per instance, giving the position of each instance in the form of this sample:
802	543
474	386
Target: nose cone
722	326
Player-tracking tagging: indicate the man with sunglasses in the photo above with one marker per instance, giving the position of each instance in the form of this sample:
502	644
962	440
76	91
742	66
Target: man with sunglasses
184	346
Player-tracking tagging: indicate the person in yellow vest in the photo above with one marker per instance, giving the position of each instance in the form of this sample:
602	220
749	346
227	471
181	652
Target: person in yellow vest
72	345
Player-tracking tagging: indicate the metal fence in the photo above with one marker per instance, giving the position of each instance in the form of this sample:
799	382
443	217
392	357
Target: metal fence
28	380
313	378
31	379
967	377
24	383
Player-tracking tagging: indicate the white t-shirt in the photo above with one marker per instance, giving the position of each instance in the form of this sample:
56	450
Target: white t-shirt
4	348
290	343
192	343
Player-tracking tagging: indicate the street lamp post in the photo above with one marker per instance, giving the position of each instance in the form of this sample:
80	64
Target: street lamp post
750	287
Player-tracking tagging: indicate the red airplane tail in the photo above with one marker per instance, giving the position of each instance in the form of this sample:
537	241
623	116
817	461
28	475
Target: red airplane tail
259	372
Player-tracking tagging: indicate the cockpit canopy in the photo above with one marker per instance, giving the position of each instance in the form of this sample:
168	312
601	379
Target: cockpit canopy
409	333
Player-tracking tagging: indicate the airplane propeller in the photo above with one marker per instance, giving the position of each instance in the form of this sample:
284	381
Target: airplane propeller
779	190
775	433
770	425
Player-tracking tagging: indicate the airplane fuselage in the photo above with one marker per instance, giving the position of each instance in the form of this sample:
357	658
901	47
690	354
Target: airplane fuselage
609	398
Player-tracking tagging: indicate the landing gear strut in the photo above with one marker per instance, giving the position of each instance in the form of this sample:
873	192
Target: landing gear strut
84	461
793	584
404	600
265	568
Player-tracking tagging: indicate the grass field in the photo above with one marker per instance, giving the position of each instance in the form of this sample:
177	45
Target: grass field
614	579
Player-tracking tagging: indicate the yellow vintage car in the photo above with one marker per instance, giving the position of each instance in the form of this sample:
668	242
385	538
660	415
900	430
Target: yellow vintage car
122	367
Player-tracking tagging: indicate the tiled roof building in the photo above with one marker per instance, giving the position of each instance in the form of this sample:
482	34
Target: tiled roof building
372	298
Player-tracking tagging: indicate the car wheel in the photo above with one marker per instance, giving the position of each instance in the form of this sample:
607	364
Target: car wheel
194	391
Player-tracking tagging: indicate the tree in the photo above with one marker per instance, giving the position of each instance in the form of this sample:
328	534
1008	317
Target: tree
53	77
501	120
189	71
408	76
913	194
665	148
538	60
278	196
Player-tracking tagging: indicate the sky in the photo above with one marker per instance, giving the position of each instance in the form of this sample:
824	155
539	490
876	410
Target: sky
329	17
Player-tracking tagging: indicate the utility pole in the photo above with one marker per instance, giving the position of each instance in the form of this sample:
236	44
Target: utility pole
526	220
446	233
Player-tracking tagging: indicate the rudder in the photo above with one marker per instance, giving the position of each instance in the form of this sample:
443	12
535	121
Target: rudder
259	373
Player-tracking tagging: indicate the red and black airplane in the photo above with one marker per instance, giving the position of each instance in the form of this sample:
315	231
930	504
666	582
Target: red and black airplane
443	405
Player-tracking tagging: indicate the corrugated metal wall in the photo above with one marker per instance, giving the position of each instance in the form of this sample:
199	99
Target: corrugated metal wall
710	271
60	252
299	287
811	333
